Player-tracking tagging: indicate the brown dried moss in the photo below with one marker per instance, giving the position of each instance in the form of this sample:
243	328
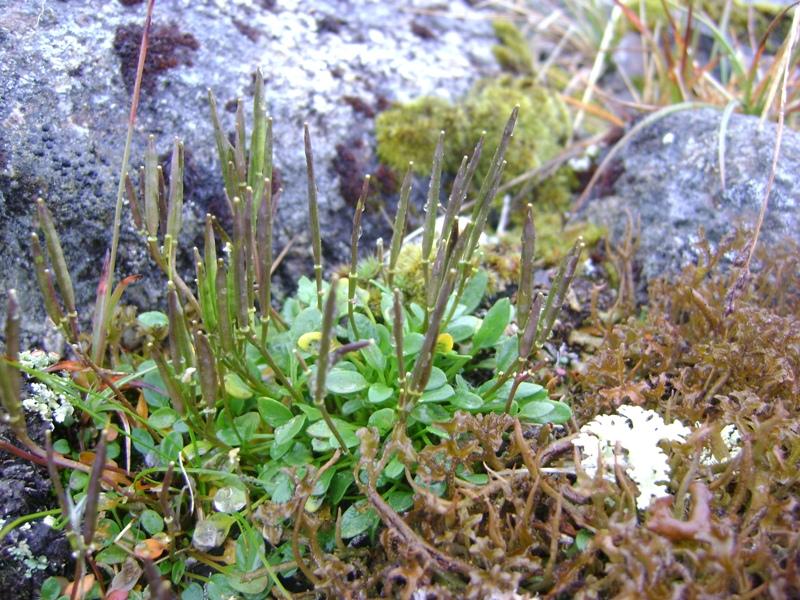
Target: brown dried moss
728	531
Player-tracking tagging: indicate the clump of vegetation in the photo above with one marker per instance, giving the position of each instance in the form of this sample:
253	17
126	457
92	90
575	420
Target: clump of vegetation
238	446
402	131
408	131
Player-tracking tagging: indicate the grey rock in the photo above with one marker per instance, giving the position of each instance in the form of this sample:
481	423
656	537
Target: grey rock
668	176
65	73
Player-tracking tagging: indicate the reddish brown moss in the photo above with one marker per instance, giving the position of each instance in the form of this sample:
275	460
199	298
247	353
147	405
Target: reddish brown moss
168	48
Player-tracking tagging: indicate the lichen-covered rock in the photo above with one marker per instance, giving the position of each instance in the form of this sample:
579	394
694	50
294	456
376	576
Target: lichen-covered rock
66	69
669	177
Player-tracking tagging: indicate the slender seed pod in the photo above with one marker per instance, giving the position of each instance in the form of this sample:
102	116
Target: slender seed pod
525	285
354	239
431	207
136	211
313	215
323	362
558	291
175	206
207	373
223	309
223	148
239	148
264	251
398	231
151	188
258	146
44	278
93	490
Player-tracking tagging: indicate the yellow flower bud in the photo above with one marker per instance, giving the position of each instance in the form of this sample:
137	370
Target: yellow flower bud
444	343
307	339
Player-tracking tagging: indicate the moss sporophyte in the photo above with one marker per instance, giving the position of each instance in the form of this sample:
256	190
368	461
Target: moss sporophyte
239	426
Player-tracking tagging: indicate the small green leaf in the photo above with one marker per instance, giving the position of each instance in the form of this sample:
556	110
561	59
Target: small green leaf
436	380
476	478
412	344
51	589
170	446
466	400
463	327
282	488
286	432
583	538
379	392
312	413
357	519
430	413
306	291
507	353
321	430
438	432
298	456
394	469
545	411
178	569
151	521
494	323
400	500
273	412
474	291
374	357
162	418
61	446
341	381
237	388
113	555
193	591
382	419
352	405
341	481
438	395
142	441
152	320
323	483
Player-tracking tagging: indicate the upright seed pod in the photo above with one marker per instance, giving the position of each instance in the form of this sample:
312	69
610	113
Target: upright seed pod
355	237
9	375
313	215
258	146
399	229
44	277
224	150
558	291
175	205
151	215
525	285
264	251
59	263
239	148
133	201
431	207
207	373
323	360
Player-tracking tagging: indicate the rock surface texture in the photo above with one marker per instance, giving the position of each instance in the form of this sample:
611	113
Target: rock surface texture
66	69
669	176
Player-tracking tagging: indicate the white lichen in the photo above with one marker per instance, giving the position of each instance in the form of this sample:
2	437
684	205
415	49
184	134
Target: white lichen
37	359
49	405
733	443
638	432
22	553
